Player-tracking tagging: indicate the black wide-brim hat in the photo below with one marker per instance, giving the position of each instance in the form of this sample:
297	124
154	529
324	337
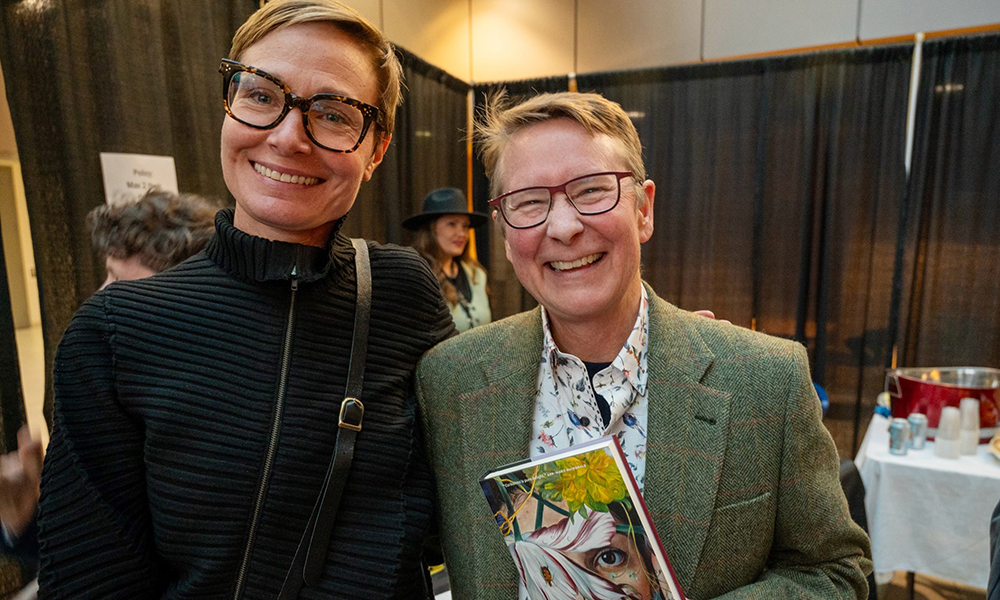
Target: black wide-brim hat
444	201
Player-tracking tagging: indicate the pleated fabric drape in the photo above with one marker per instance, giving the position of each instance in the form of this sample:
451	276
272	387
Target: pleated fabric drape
949	272
778	185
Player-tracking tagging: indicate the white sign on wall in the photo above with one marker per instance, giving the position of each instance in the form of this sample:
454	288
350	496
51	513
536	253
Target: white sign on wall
128	176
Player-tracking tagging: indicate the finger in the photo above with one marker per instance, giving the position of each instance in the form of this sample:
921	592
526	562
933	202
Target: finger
705	313
30	456
24	436
10	465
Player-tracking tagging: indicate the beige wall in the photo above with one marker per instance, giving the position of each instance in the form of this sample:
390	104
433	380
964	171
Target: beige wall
519	39
735	27
435	30
634	35
888	18
371	9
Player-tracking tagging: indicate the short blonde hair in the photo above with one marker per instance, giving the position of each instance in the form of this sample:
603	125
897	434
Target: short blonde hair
598	115
279	14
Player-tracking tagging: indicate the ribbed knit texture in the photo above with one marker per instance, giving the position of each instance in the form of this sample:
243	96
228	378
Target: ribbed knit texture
166	390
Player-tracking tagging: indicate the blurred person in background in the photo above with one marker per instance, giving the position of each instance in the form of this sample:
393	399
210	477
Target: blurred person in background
143	238
136	240
441	236
204	443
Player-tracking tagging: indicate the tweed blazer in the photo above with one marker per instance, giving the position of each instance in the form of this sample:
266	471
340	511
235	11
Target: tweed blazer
741	476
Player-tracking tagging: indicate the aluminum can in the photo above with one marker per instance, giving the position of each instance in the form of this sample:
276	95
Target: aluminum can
918	430
899	436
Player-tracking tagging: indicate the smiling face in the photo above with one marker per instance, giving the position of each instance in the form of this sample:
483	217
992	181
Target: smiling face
452	234
582	269
287	188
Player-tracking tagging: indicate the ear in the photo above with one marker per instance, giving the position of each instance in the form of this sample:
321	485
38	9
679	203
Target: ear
500	224
380	149
645	214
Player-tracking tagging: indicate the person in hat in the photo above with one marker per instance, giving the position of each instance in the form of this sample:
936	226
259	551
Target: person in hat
442	238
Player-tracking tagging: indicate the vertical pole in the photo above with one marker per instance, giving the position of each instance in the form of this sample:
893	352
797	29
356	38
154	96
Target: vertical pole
911	121
470	109
911	109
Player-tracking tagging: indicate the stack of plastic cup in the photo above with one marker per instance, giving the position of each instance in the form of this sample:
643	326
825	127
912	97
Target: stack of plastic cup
969	434
946	442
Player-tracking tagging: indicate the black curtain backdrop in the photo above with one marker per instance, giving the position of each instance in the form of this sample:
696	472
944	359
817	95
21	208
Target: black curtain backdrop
778	189
92	76
428	151
507	296
141	76
950	273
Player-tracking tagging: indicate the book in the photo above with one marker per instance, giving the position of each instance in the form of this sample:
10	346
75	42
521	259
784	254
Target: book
577	527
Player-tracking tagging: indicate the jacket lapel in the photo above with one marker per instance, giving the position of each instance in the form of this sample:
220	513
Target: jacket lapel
688	422
512	384
497	424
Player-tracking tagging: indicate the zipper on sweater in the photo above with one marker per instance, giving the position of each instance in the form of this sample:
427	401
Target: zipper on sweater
273	443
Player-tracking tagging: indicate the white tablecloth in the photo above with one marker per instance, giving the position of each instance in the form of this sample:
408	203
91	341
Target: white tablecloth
928	514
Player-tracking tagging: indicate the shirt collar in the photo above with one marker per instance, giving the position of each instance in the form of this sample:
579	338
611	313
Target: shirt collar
631	360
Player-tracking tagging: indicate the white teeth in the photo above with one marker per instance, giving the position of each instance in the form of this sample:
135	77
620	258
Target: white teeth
285	177
586	260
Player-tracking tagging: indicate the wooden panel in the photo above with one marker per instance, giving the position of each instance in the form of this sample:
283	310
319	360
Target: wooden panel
613	36
521	39
737	27
887	18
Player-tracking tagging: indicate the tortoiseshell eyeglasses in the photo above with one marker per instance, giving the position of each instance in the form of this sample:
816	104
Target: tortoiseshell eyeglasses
261	100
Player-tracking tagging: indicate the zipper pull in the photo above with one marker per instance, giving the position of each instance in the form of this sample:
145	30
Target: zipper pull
295	279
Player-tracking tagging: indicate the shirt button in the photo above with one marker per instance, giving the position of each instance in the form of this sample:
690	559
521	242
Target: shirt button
585	421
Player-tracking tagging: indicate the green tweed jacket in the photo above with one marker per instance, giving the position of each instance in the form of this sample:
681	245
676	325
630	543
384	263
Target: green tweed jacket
741	476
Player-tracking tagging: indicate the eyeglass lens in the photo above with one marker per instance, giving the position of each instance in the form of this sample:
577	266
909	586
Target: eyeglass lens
590	195
258	101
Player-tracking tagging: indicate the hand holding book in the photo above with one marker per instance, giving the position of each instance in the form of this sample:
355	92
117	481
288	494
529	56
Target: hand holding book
577	527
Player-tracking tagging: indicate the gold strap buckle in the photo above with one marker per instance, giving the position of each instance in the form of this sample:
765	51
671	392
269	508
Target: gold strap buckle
352	411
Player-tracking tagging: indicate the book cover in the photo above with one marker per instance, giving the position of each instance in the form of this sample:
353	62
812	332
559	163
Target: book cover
577	527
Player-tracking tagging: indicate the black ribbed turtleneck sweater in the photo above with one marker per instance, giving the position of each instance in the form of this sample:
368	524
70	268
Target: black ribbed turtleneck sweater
181	467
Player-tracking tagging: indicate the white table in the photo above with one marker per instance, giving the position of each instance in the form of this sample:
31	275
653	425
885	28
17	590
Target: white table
928	514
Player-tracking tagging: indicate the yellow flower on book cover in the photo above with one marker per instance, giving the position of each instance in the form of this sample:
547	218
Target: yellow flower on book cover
591	480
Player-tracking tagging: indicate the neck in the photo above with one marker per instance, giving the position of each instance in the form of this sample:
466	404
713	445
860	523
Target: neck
600	338
450	267
313	237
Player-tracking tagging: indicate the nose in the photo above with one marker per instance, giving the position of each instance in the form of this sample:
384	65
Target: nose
563	222
289	136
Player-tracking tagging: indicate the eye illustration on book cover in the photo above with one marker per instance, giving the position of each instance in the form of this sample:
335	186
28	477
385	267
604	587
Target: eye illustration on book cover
574	531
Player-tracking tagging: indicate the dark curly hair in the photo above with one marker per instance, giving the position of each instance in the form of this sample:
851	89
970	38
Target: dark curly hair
162	229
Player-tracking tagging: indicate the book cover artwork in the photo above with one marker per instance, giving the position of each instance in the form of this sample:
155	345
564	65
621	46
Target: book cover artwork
576	527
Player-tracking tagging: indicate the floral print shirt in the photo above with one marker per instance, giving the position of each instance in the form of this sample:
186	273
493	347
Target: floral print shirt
566	411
